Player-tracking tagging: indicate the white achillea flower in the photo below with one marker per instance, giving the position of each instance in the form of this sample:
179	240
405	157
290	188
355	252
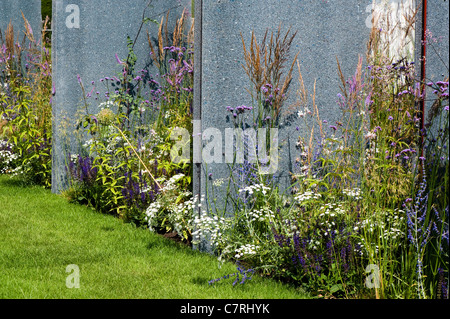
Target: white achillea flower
6	157
88	143
218	182
179	215
262	215
370	135
171	183
212	227
355	193
246	250
302	197
151	213
255	189
386	226
107	105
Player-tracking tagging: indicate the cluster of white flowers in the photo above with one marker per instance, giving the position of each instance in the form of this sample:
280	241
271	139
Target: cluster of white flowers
386	226
257	188
393	222
303	197
355	193
5	88
106	105
151	213
88	143
179	215
245	250
305	111
17	171
167	114
332	209
6	157
210	227
370	135
218	182
154	140
290	228
371	151
303	170
171	183
330	212
368	225
74	158
314	244
262	215
113	140
4	144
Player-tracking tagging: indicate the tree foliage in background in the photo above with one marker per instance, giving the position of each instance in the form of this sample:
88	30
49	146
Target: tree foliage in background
46	7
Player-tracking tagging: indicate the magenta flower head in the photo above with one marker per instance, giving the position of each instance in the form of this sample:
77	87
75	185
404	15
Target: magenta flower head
93	117
118	60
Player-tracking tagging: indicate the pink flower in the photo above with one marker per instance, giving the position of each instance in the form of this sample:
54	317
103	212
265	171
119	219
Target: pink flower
118	60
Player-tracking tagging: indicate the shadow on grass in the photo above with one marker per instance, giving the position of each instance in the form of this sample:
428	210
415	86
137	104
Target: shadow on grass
162	242
108	228
7	181
200	281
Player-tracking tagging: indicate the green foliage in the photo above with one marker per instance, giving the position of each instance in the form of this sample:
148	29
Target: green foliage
129	138
46	8
366	192
42	234
25	105
29	141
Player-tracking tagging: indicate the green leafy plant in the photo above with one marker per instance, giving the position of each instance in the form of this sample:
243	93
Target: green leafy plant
26	103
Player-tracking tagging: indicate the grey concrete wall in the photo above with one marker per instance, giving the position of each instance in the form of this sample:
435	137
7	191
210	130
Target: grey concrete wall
437	48
11	11
437	61
86	37
326	30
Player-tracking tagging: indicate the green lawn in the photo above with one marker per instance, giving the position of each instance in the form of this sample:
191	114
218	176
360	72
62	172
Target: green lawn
41	234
